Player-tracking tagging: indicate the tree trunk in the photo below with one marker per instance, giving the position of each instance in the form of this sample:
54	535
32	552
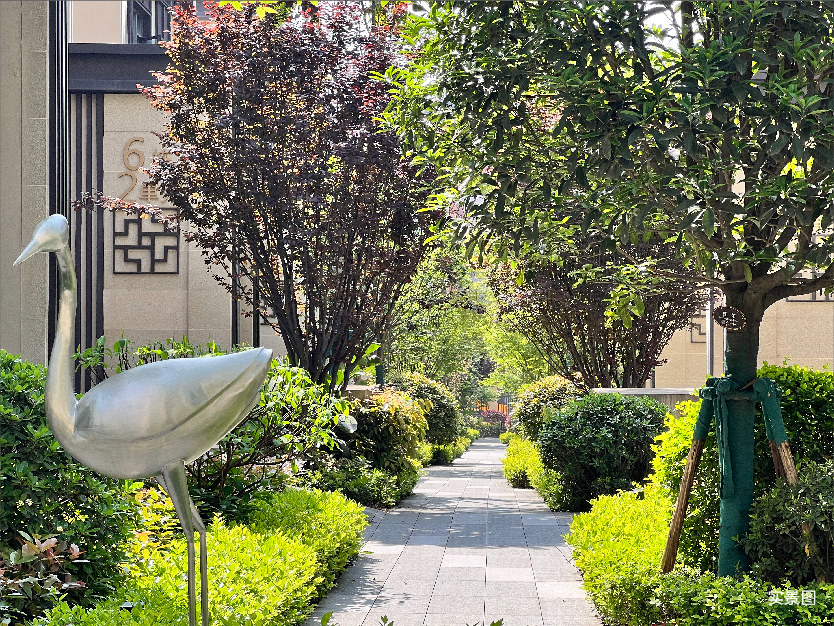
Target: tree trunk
741	350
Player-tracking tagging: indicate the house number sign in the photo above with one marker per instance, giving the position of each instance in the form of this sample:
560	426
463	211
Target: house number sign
729	317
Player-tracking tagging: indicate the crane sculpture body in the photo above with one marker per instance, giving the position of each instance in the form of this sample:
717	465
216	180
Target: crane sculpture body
148	421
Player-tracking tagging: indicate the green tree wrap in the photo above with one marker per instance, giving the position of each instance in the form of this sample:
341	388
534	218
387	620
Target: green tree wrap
770	395
733	410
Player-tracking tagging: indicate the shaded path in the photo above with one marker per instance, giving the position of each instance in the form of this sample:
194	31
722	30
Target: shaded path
466	548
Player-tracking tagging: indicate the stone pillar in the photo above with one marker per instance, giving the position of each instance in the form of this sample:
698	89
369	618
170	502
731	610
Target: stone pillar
24	174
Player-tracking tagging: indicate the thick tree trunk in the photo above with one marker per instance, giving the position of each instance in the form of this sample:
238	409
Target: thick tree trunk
740	360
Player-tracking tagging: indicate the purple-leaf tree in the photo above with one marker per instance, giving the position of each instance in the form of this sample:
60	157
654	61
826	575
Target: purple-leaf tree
284	177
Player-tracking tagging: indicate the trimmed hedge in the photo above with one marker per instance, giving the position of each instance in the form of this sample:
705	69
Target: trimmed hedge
523	469
256	578
600	444
553	391
618	546
326	521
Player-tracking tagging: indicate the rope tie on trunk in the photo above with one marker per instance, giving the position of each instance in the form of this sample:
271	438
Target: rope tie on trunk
715	394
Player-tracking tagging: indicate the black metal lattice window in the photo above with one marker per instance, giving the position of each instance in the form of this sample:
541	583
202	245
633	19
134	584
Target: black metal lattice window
145	246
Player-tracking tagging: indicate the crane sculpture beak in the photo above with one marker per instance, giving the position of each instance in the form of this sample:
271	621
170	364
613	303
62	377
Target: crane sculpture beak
31	249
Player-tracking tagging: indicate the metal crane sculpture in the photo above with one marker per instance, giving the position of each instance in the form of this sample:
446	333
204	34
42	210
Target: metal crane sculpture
148	421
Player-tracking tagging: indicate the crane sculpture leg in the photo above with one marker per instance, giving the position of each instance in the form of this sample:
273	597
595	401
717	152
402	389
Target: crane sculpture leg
175	484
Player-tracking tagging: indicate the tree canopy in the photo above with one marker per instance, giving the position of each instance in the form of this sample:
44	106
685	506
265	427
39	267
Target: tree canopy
714	132
283	175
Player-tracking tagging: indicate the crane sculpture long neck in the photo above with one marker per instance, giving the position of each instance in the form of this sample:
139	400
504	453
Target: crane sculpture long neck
59	395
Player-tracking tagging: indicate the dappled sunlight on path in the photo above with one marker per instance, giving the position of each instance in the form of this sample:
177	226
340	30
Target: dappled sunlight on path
466	548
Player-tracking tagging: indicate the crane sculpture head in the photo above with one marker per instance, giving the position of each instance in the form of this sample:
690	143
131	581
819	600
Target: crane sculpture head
50	235
148	421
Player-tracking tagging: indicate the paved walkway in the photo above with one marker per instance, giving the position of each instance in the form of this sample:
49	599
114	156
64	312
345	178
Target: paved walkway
466	548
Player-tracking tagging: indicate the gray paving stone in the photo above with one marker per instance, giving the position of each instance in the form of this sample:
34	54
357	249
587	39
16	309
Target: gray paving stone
465	548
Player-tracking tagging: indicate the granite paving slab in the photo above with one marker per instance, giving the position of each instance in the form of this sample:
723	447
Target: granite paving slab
465	549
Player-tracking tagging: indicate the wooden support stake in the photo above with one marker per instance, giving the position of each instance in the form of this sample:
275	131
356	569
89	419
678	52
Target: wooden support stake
670	553
778	467
786	456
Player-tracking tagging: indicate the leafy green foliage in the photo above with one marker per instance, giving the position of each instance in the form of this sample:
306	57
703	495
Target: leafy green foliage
257	578
778	544
45	493
600	444
246	588
389	428
808	413
358	480
34	578
618	546
522	456
647	141
553	391
328	522
443	417
523	469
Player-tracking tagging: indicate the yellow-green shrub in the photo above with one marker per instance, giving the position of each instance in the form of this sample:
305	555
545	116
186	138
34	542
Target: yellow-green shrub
255	580
328	522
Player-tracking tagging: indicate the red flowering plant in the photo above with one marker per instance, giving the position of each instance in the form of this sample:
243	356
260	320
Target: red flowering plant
33	578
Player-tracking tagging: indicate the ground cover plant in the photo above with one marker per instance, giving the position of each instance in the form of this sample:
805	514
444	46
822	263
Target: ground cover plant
618	546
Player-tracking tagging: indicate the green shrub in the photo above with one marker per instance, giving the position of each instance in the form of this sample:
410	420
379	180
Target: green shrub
255	580
425	452
521	459
443	417
600	444
523	469
471	434
358	480
508	437
491	430
808	413
777	544
444	454
390	427
618	545
549	485
44	492
553	391
328	522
